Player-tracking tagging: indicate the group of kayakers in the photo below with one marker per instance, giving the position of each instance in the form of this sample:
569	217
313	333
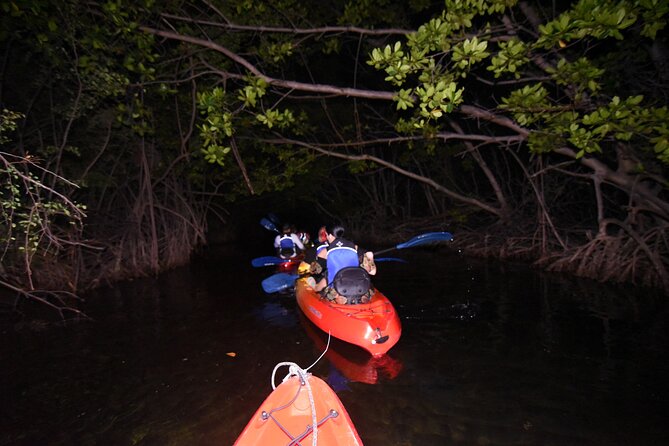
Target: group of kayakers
339	269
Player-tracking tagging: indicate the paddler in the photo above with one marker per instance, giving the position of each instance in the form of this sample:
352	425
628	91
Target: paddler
340	254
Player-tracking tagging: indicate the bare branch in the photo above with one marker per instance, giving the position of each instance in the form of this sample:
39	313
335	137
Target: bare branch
430	182
293	30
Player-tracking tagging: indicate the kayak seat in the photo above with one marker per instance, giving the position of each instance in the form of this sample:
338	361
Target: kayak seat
353	283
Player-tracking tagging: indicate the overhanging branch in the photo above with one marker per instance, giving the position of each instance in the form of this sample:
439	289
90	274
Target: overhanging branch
430	182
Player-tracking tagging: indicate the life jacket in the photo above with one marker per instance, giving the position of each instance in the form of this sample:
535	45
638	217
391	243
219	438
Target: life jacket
341	254
287	246
321	247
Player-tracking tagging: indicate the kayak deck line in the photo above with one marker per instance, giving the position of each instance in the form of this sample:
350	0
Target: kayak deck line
300	400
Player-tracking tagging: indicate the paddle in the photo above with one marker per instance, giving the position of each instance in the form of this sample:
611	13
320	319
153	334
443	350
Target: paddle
259	262
269	225
389	259
279	282
274	219
282	281
423	239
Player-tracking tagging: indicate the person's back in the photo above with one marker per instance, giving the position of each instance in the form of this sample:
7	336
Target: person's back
287	244
341	253
343	257
314	262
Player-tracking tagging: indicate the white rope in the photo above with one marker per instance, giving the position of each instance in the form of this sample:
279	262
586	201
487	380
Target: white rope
327	346
295	370
303	374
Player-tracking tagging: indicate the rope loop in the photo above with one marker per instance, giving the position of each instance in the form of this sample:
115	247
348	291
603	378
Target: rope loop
303	374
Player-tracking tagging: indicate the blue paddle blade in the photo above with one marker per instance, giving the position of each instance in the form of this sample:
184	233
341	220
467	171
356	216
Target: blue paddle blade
424	239
390	259
274	219
266	261
267	224
279	282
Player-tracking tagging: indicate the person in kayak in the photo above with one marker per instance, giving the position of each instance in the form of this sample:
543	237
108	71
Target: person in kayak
313	264
305	238
342	254
288	244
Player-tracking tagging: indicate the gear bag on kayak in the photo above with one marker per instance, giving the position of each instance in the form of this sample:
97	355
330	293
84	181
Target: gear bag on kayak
353	283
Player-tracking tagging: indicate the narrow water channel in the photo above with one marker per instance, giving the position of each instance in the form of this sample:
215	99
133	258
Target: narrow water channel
490	354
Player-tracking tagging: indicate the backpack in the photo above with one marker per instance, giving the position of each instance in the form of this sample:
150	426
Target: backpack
352	282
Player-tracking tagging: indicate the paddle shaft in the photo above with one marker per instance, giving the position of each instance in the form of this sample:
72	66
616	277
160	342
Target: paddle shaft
422	239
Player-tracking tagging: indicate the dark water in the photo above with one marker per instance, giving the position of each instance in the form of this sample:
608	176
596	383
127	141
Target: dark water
490	355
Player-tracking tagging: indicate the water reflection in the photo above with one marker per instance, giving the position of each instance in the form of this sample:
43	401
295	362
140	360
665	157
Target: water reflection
277	314
350	363
490	354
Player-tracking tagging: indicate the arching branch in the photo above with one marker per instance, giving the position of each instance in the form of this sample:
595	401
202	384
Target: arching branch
430	182
286	30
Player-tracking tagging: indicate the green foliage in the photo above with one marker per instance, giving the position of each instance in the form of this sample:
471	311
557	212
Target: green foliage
581	75
26	217
654	16
435	35
358	167
213	153
404	99
437	99
624	119
331	45
28	209
277	52
393	61
580	115
597	19
374	13
437	93
217	126
281	119
542	142
528	104
512	55
253	91
469	52
404	126
135	114
8	123
461	13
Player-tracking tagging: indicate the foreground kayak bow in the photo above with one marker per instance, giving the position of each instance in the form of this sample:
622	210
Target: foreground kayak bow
302	410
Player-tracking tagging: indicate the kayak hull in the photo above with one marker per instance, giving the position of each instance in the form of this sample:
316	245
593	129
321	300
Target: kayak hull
373	326
290	265
354	363
285	417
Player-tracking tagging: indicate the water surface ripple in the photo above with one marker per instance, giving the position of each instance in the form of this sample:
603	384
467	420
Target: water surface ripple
491	354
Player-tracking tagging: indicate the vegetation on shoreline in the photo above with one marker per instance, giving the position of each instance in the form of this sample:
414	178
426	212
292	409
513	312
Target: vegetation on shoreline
537	133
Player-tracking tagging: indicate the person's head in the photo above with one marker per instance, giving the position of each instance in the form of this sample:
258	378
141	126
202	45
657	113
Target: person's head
322	235
334	231
304	237
286	228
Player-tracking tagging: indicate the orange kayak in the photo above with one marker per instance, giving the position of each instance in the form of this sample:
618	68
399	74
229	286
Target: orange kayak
286	417
290	265
355	364
373	326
